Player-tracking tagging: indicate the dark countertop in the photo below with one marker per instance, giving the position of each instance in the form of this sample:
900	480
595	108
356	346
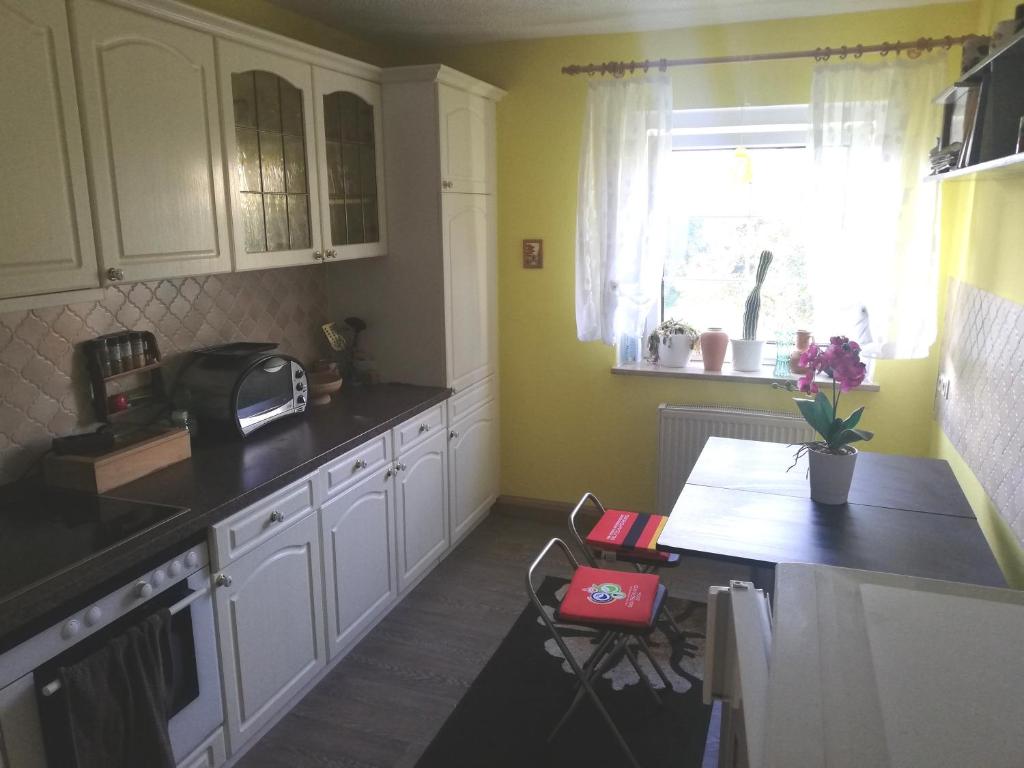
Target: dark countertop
222	477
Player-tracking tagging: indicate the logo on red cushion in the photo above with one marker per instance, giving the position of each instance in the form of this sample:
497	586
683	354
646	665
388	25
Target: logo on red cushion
604	594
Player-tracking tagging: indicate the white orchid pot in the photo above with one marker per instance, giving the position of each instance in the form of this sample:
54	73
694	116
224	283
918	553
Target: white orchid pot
674	351
746	355
831	475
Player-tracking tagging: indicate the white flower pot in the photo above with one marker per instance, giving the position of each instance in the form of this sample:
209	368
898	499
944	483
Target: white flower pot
831	475
675	353
746	355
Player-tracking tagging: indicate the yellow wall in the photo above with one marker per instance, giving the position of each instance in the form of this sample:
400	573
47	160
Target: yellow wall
568	425
982	234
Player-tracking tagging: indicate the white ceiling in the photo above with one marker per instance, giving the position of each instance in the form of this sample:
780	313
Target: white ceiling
475	21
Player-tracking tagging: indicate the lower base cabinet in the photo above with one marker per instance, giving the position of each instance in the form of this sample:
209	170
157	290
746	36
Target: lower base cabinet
422	495
358	532
210	754
472	468
270	626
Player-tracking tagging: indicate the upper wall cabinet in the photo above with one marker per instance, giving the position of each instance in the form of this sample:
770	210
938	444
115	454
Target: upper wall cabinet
467	141
149	91
349	138
46	236
268	112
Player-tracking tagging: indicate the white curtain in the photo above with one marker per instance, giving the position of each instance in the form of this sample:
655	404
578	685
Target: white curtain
621	225
875	273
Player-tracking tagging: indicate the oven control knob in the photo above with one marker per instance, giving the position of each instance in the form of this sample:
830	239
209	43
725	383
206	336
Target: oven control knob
93	616
175	568
159	576
71	628
192	559
143	589
300	386
298	374
300	399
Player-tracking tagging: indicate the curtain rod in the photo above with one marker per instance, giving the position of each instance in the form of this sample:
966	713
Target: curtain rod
914	49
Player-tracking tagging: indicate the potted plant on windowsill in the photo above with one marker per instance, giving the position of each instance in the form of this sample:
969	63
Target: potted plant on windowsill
833	458
672	342
746	352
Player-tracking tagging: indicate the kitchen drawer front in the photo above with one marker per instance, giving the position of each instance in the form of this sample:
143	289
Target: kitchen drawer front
210	754
356	464
249	528
419	428
472	398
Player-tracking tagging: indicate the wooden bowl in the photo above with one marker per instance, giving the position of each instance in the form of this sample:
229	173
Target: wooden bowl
322	385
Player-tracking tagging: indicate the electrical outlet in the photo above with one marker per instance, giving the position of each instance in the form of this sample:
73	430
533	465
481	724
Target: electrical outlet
944	387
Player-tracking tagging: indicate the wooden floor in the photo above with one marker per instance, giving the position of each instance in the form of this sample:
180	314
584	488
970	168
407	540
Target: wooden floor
382	705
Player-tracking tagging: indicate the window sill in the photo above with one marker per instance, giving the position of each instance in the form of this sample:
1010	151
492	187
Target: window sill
695	370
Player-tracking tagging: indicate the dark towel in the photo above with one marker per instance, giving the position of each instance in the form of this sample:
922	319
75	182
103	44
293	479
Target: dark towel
116	701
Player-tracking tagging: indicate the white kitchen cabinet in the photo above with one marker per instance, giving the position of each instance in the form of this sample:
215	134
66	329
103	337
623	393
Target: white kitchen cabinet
270	626
21	734
149	94
473	468
466	125
357	528
269	137
421	480
210	754
468	238
350	164
46	235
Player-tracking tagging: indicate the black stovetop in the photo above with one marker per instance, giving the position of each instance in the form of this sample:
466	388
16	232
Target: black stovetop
44	531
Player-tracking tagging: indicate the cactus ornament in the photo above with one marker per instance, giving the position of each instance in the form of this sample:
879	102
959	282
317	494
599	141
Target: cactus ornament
752	310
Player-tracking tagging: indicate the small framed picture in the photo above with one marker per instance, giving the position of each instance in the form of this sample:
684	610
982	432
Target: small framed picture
533	254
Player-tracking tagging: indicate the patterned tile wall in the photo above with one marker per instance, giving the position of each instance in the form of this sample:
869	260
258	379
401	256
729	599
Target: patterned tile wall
44	388
983	360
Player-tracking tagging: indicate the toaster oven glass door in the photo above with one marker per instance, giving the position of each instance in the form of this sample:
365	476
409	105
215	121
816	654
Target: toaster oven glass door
265	388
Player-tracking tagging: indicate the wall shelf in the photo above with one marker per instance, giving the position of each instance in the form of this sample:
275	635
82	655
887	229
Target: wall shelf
1000	168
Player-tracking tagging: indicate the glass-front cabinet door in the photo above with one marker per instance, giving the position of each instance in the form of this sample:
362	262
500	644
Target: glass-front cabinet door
349	140
270	148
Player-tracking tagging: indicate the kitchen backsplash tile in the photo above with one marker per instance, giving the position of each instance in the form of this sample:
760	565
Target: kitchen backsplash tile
44	386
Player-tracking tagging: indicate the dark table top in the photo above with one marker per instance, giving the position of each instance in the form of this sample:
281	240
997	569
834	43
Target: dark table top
222	477
905	515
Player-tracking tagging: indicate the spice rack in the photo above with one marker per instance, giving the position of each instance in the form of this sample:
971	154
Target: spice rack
112	360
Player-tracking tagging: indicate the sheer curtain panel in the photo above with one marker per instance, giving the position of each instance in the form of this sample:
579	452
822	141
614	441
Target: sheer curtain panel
621	225
875	270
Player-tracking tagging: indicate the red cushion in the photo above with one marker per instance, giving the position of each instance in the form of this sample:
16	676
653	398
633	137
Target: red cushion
635	533
601	596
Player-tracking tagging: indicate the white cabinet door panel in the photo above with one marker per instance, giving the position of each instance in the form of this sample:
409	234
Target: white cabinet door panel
422	482
468	242
46	236
271	157
467	141
358	533
473	469
270	627
149	90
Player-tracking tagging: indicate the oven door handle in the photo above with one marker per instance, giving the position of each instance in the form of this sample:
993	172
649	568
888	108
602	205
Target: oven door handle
54	685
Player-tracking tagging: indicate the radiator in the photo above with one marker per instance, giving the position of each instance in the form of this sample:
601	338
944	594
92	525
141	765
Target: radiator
683	430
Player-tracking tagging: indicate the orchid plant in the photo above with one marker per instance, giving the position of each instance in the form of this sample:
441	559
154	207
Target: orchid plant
841	360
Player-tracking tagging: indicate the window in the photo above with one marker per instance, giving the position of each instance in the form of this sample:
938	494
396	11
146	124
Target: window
739	179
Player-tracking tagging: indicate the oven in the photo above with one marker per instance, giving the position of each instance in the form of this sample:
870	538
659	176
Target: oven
30	733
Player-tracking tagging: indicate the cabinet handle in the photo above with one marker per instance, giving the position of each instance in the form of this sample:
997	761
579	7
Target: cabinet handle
453	435
360	464
114	274
388	474
447	185
400	467
318	256
222	580
276	517
331	253
424	427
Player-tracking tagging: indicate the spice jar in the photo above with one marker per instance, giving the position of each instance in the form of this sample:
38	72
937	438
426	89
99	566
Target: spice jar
103	358
138	350
114	356
125	345
150	349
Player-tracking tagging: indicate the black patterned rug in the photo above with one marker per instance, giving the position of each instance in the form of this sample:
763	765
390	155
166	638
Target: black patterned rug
505	717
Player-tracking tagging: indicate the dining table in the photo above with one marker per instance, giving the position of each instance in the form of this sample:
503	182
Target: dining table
748	503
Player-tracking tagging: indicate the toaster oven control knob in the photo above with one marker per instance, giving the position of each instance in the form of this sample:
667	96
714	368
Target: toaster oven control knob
143	589
71	628
299	386
175	568
159	576
192	559
298	374
93	616
300	399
